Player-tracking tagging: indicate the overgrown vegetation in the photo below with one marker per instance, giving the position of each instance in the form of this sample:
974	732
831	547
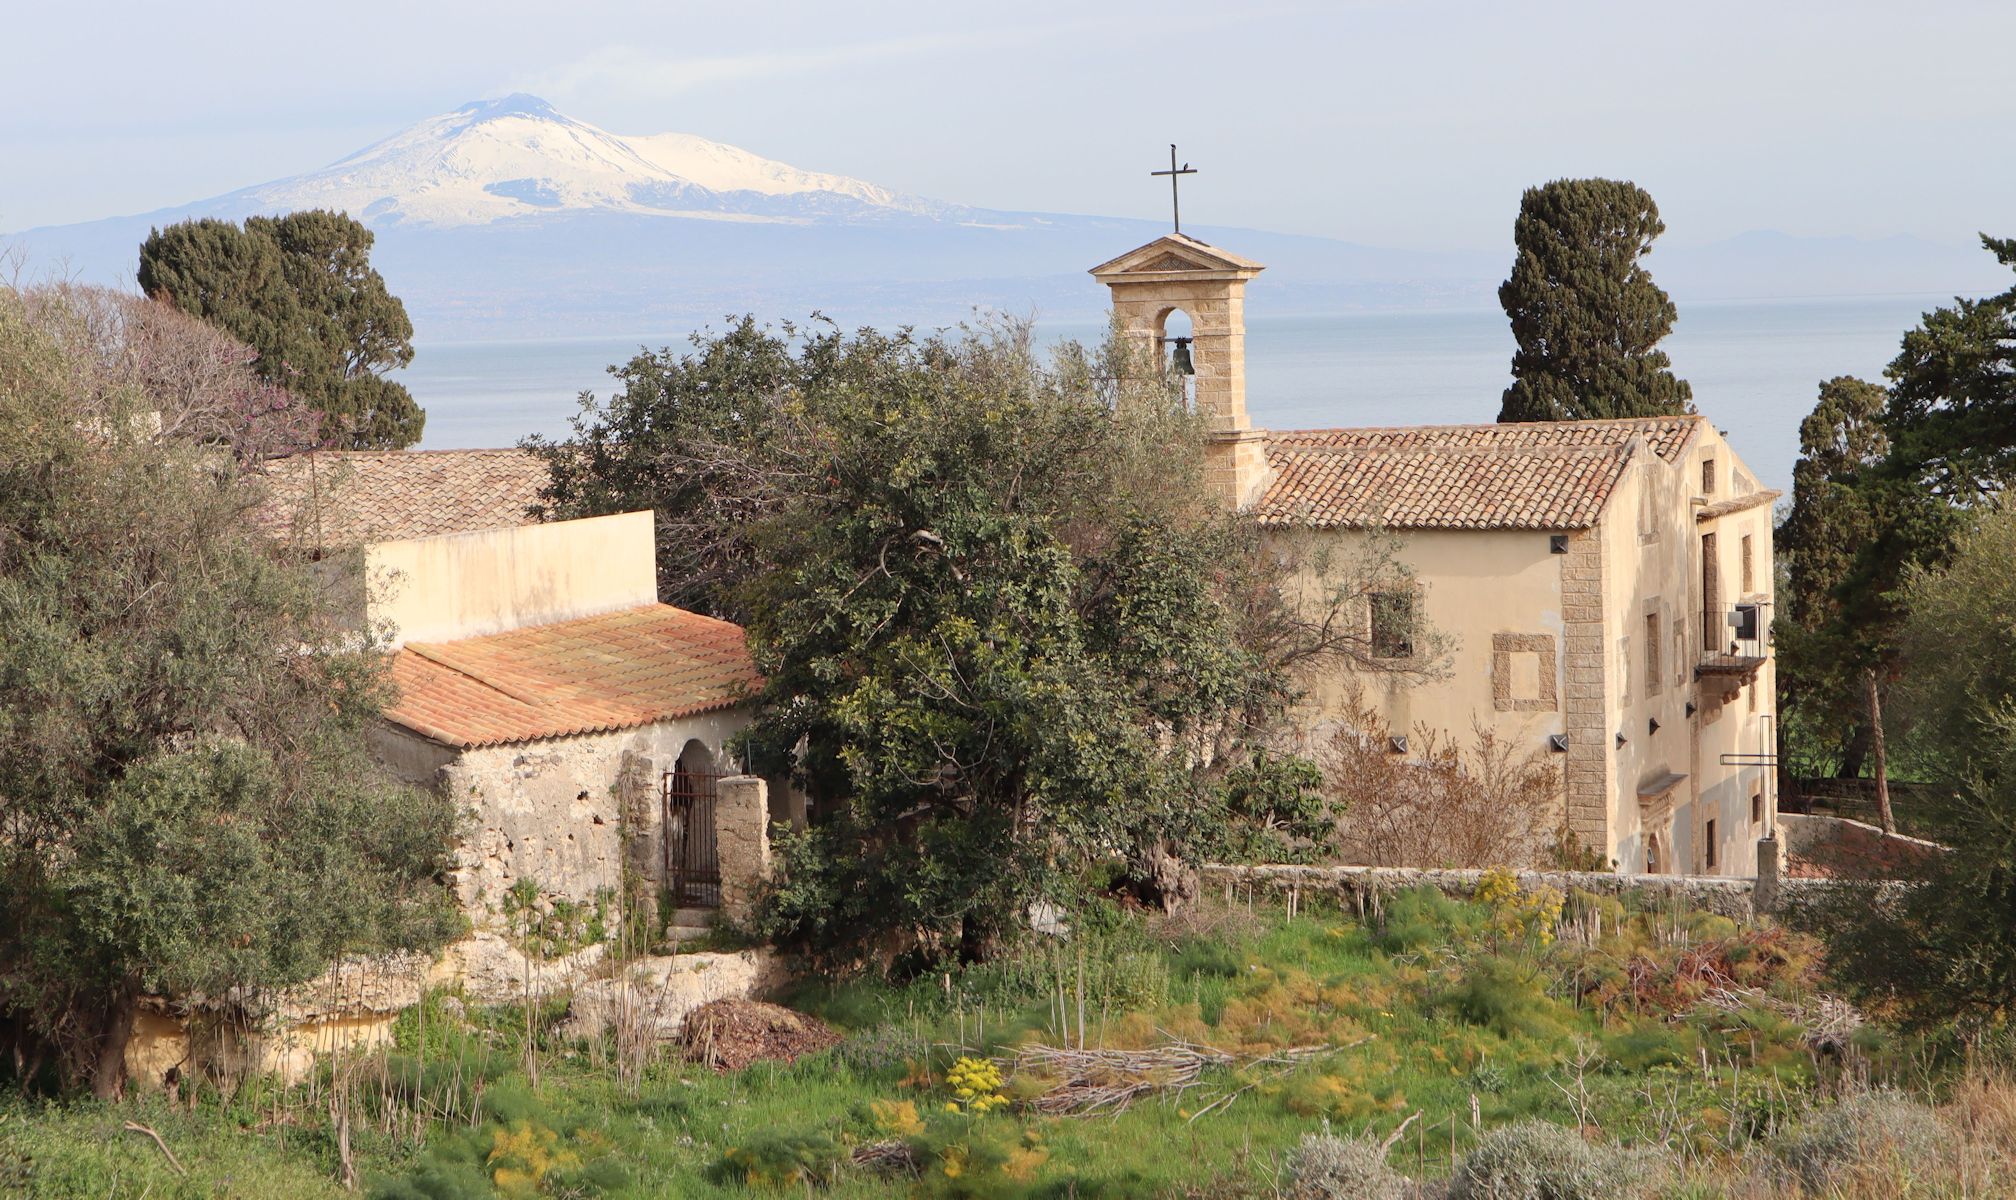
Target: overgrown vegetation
1006	630
186	802
1497	1047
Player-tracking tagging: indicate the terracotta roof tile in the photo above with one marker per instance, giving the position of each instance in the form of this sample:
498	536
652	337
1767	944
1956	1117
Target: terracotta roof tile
336	498
595	674
1539	475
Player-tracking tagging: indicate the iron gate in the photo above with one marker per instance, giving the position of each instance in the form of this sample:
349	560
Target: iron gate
692	867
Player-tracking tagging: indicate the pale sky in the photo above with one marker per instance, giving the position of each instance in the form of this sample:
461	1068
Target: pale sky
1398	124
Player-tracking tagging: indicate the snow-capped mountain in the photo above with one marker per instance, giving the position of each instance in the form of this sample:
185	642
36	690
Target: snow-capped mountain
507	218
494	160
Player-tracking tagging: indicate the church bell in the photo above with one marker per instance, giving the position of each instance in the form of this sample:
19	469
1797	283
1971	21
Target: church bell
1179	359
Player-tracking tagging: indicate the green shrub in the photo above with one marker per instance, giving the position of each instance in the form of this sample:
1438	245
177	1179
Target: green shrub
1505	996
1209	959
1327	1167
1420	918
1645	1045
1864	1133
782	1161
1533	1160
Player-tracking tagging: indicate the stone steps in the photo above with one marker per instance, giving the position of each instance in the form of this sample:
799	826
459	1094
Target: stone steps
690	924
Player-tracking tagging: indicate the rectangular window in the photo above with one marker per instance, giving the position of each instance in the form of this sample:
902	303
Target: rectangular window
1709	846
1757	807
1392	625
1680	653
1624	669
1749	569
1708	476
1652	676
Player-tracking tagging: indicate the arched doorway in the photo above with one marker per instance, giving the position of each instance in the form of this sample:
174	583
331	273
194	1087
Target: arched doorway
1655	855
692	865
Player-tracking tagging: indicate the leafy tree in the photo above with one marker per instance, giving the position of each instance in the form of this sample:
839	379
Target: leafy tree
300	289
185	795
1828	639
1005	630
1952	411
688	436
1945	945
1587	316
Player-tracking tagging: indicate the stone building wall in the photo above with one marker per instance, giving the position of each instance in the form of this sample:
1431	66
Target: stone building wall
554	810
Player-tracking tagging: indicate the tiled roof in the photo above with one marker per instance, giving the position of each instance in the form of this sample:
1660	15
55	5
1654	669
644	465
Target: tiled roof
1537	475
335	498
595	674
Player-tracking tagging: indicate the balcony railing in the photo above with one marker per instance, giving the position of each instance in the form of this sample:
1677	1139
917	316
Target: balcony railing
1735	640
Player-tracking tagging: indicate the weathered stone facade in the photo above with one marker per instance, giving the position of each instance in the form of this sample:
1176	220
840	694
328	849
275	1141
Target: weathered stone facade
569	814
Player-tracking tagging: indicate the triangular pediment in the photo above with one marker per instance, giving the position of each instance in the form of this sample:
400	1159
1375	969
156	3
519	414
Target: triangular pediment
1176	252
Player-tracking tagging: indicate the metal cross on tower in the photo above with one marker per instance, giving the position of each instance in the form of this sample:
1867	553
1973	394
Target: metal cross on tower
1175	208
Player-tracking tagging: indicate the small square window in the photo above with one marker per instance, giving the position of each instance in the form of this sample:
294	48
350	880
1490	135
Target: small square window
1392	625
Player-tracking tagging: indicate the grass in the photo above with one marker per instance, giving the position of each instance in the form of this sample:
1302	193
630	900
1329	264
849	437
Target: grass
1453	1018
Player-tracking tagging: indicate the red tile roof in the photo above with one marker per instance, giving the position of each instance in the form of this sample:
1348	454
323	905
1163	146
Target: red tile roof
591	675
1536	475
337	498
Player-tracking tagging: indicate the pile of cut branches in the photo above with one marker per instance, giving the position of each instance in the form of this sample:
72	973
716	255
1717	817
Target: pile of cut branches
1090	1082
1828	1021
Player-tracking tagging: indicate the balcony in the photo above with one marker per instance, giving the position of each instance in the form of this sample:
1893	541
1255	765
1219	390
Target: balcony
1735	641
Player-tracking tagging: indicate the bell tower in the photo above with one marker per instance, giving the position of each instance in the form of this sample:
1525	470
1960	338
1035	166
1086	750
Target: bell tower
1178	272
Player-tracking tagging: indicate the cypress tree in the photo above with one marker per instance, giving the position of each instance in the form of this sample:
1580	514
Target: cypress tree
301	290
1586	314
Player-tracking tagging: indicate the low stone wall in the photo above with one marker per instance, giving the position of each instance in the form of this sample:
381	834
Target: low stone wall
656	994
354	1005
1839	848
1368	887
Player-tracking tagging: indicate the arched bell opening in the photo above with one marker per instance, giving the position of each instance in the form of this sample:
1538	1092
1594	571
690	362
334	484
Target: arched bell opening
692	862
1175	348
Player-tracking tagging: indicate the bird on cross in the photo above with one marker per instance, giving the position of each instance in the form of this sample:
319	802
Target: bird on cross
1175	207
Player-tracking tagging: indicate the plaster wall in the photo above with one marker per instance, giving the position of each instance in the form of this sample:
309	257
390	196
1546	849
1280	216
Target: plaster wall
1496	595
470	584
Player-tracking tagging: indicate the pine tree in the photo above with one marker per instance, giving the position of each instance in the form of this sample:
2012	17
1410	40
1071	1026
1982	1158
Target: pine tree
1586	314
1953	395
299	289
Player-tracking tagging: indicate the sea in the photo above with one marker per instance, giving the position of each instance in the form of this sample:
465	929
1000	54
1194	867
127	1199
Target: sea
1755	366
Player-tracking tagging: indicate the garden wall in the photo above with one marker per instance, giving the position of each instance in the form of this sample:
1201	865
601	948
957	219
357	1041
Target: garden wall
1367	887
